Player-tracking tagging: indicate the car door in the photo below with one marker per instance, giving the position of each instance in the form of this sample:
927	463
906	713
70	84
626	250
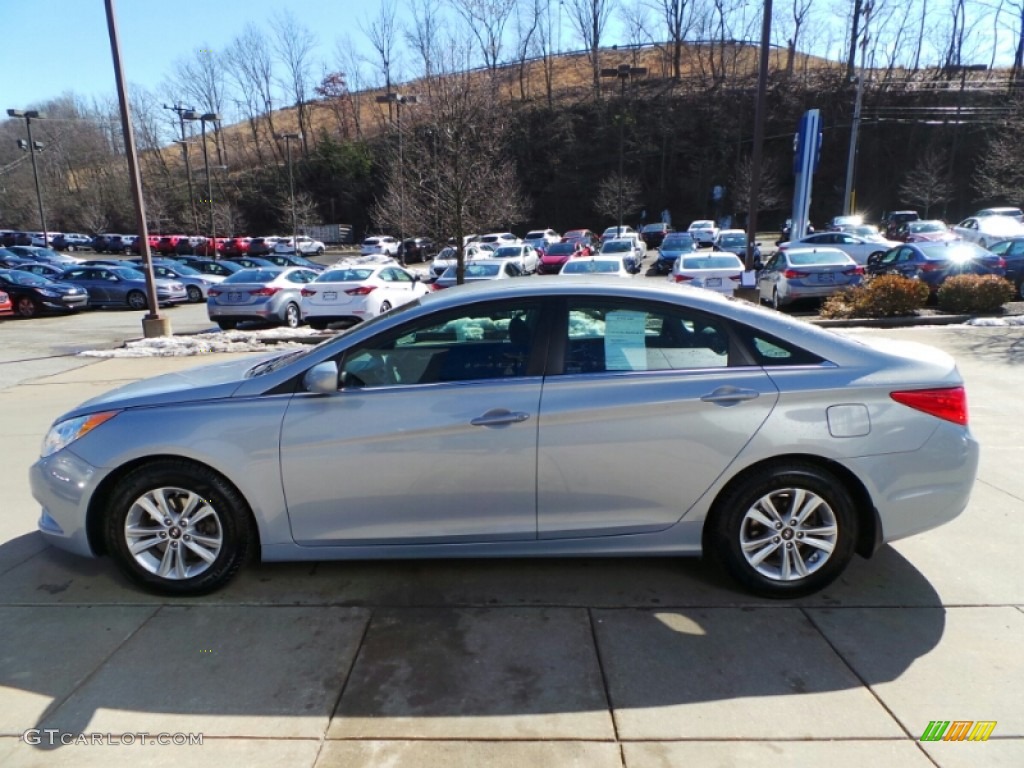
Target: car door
648	408
432	436
768	276
95	281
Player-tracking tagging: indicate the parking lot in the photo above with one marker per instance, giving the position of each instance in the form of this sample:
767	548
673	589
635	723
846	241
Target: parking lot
587	662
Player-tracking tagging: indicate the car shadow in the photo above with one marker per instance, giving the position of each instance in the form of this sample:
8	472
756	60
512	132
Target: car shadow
386	648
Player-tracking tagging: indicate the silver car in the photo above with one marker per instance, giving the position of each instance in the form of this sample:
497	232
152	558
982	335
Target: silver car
806	273
264	294
779	448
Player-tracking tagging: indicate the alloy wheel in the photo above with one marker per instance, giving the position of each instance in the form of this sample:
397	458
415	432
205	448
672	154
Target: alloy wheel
173	533
788	534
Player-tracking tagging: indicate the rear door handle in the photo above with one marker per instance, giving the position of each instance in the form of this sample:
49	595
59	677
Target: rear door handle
499	417
730	395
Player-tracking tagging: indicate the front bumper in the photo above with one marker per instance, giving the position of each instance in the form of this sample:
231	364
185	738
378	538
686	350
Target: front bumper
63	484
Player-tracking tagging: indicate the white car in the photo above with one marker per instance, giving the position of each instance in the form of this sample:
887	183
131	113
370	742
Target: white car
614	233
601	265
542	238
703	231
1005	210
719	271
478	271
630	248
302	245
856	247
498	239
356	293
985	230
524	256
380	244
449	256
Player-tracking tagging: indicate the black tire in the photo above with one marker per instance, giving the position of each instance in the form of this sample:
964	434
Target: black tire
385	306
292	315
319	251
731	524
776	305
227	325
26	306
137	300
226	520
317	325
195	294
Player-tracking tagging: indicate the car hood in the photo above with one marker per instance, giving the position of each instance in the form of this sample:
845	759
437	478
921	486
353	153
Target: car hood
207	382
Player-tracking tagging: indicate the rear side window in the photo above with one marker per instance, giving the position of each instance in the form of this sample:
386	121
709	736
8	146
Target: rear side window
768	350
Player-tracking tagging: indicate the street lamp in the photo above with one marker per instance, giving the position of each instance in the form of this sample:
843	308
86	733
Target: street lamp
209	117
288	139
181	110
32	147
849	195
623	72
398	99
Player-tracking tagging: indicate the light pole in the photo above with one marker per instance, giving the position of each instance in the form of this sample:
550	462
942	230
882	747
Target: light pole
188	165
33	147
849	196
209	117
399	99
623	72
288	138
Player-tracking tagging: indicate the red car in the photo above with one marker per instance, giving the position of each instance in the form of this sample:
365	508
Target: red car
210	250
587	239
154	241
925	231
6	305
237	246
557	254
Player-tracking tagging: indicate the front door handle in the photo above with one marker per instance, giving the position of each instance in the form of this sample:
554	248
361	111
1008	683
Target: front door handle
499	417
730	395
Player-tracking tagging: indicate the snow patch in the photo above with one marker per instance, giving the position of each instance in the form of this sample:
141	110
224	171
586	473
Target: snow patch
210	343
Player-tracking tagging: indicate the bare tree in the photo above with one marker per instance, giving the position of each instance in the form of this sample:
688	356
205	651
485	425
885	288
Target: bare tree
334	94
294	45
487	20
999	175
770	189
676	15
250	64
424	37
455	176
528	28
590	17
799	11
928	183
349	61
382	33
613	189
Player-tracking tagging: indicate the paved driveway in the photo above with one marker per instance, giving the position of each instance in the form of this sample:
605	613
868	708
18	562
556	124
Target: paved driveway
637	662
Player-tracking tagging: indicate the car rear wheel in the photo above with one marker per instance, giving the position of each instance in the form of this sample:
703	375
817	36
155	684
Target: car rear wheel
776	304
385	306
27	307
317	325
137	300
195	295
177	528
292	316
227	325
784	530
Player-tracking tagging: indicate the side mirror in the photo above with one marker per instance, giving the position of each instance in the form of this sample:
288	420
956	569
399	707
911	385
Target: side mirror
415	277
322	379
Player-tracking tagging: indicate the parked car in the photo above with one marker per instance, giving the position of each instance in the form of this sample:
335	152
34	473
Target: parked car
448	256
357	293
236	246
654	234
15	237
788	472
985	230
42	240
252	261
524	256
479	271
301	245
837	223
419	249
196	283
262	246
542	238
71	241
614	233
857	248
32	294
626	248
672	247
932	263
924	231
587	239
719	272
1007	210
153	240
601	265
113	243
267	295
218	267
734	241
384	244
498	239
1012	253
806	273
167	245
292	260
123	287
893	219
6	306
704	231
44	255
9	259
556	254
49	271
209	247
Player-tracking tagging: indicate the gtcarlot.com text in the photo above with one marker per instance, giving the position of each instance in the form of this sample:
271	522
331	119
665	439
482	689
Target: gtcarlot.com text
53	737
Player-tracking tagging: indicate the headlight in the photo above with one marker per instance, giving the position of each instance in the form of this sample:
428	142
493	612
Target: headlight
66	432
49	294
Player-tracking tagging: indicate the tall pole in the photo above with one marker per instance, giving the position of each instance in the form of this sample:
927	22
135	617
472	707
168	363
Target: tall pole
209	189
849	199
152	323
181	110
759	118
291	190
35	174
401	185
622	150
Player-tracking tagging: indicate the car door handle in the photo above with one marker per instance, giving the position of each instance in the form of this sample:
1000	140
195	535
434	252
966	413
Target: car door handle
499	417
730	395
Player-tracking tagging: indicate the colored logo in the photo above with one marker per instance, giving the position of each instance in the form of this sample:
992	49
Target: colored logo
958	730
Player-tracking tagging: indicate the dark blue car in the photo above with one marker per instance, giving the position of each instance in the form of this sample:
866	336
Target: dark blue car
932	263
1012	251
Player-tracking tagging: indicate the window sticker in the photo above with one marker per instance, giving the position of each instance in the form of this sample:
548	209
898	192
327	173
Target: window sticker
624	341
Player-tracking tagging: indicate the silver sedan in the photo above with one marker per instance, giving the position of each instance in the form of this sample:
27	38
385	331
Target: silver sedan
776	447
265	294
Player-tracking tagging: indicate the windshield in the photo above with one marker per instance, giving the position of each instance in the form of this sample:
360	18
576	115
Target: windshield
25	278
711	262
617	246
344	276
128	274
184	269
590	267
817	258
561	249
536	235
653	228
508	252
678	241
733	240
253	276
703	225
926	226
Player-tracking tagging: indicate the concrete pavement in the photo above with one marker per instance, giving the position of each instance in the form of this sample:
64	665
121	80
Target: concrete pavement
626	662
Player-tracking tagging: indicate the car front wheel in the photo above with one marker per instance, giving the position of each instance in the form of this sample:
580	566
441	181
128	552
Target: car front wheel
292	316
177	528
27	307
137	300
784	531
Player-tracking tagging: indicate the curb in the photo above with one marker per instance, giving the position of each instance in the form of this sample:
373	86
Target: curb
892	322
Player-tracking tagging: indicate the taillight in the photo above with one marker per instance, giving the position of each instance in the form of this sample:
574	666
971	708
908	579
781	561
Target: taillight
683	278
362	290
933	266
213	292
266	291
858	270
790	274
307	292
949	404
735	278
1001	263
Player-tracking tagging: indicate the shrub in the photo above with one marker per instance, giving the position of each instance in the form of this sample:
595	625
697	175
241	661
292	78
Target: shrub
967	294
881	296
